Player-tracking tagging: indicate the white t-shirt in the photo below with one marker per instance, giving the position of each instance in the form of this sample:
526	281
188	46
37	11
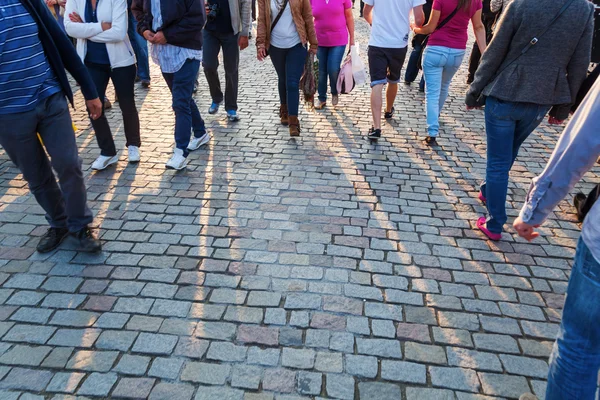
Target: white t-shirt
391	22
285	34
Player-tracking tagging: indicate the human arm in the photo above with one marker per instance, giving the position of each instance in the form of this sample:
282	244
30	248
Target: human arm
419	15
576	69
118	29
246	16
350	23
309	23
576	152
144	21
479	31
79	30
431	25
261	31
495	54
368	13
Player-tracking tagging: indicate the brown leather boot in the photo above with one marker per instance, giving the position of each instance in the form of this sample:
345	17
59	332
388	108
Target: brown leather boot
283	114
294	126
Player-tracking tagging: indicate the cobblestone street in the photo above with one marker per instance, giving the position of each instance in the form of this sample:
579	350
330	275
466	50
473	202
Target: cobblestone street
274	268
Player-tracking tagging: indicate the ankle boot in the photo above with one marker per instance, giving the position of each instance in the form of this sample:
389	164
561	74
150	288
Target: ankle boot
283	114
294	125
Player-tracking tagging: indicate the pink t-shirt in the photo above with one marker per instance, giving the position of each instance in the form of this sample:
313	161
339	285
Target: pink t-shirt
454	34
330	21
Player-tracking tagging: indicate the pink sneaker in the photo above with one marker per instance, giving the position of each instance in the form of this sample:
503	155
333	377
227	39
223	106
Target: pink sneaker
482	198
481	222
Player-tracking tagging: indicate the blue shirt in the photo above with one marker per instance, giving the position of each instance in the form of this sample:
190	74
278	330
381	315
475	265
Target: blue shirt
170	58
25	74
96	52
576	153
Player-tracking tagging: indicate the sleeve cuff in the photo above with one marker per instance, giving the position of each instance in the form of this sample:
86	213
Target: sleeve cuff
530	213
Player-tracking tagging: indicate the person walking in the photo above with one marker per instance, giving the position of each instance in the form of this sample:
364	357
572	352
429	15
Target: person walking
536	63
174	30
575	359
488	17
227	27
390	22
284	29
140	48
412	67
445	51
334	24
106	51
33	85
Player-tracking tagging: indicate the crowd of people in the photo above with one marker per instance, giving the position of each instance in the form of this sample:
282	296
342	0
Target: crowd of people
530	59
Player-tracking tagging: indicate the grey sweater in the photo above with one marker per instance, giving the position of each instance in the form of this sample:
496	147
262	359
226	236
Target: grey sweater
552	71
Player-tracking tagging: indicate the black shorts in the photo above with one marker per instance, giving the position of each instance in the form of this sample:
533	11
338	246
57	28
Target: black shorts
385	64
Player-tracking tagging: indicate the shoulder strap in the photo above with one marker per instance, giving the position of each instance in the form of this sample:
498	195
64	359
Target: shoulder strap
278	17
448	18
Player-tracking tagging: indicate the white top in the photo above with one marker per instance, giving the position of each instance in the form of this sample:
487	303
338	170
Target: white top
391	22
120	52
170	58
284	35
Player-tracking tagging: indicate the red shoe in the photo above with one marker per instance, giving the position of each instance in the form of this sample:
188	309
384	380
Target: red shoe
482	198
481	222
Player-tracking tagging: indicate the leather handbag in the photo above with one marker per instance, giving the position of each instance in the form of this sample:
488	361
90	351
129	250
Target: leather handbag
440	26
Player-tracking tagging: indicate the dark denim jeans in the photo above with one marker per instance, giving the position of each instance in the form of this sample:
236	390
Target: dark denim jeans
65	206
575	359
140	48
211	46
507	125
330	60
123	81
412	70
289	65
187	115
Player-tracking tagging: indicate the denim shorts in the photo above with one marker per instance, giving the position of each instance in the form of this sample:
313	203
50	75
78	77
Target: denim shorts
385	64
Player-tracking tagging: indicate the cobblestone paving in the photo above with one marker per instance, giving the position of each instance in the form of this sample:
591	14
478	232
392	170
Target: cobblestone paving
323	267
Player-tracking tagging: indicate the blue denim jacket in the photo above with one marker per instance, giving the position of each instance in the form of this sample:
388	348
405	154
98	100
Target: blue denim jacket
576	152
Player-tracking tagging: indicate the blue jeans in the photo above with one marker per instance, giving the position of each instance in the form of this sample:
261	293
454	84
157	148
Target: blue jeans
330	60
289	65
140	48
439	66
187	115
575	360
412	70
507	125
211	46
65	206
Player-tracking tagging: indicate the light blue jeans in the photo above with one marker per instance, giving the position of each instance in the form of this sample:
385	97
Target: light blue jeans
575	360
439	66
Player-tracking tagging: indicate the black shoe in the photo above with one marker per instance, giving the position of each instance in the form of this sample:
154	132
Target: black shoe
145	84
422	89
389	114
52	239
374	134
430	141
87	242
578	202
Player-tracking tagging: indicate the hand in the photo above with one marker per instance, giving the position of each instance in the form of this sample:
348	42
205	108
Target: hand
313	50
50	2
243	42
61	3
261	53
525	230
106	26
554	121
148	35
74	17
159	38
94	108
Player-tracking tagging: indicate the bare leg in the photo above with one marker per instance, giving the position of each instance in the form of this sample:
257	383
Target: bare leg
390	96
376	104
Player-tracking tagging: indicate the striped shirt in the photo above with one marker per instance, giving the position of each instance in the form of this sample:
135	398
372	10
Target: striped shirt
170	58
25	74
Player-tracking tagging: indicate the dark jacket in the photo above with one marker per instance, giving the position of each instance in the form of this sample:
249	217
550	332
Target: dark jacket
183	21
60	52
552	71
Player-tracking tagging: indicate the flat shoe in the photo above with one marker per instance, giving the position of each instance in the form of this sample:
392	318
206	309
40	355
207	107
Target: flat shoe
481	224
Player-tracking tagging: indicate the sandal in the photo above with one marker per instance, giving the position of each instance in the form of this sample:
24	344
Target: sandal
481	224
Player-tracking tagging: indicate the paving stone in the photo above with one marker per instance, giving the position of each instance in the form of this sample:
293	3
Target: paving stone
166	368
215	330
175	391
413	332
340	386
379	347
224	351
454	378
413	393
402	371
455	337
421	315
425	353
116	340
150	343
25	333
26	379
378	390
25	355
211	392
279	380
58	357
524	366
133	388
246	377
383	311
503	385
98	384
309	382
85	360
214	374
65	382
361	366
132	365
472	359
497	343
298	358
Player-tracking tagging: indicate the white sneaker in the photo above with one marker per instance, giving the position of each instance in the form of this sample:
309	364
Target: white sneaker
104	162
335	99
319	105
134	154
195	142
178	161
